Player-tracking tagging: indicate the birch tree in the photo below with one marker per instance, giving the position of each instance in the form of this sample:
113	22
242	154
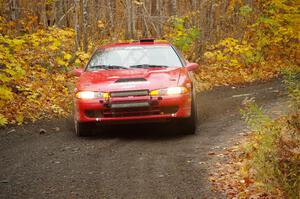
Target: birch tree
85	25
174	7
76	24
13	9
130	27
43	14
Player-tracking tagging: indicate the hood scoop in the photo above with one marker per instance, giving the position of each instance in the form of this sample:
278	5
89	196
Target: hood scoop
123	80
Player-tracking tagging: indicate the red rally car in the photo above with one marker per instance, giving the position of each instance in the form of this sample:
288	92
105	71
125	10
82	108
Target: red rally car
141	81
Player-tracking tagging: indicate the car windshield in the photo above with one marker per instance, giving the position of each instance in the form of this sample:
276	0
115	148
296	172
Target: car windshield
128	57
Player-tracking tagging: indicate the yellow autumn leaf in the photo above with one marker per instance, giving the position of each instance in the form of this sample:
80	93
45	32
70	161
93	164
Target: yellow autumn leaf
208	55
5	93
19	119
77	61
3	120
100	24
61	62
67	56
53	47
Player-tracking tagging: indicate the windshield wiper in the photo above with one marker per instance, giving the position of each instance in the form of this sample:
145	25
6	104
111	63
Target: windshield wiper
148	66
107	67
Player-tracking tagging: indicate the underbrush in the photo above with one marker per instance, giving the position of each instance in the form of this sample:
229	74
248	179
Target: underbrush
266	164
34	73
234	62
269	44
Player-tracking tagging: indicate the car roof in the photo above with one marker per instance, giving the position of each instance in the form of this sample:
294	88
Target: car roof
138	43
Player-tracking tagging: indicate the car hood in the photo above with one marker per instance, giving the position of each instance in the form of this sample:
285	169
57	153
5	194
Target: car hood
133	79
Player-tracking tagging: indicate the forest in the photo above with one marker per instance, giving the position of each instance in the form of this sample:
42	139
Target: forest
234	42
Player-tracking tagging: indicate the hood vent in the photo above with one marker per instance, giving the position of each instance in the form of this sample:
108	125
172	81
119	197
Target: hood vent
130	80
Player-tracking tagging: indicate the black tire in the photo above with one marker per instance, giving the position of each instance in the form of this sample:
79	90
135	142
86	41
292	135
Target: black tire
82	129
189	125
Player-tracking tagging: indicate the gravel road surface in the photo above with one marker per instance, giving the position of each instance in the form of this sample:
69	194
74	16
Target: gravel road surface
46	159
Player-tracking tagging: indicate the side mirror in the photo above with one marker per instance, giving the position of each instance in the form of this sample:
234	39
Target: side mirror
77	72
191	66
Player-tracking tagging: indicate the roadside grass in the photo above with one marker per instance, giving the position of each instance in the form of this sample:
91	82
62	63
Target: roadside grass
266	164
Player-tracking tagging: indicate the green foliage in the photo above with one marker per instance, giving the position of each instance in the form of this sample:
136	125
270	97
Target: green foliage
181	36
275	31
254	116
245	10
272	157
292	83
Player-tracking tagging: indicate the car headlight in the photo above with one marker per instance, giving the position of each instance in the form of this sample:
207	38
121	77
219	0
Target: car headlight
169	91
91	95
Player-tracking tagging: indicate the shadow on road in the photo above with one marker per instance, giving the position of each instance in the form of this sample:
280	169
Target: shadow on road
164	131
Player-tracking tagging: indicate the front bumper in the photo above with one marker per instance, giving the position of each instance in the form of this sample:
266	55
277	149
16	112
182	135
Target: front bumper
133	109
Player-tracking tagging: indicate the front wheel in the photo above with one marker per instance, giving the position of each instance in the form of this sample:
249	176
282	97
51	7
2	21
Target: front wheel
82	129
189	125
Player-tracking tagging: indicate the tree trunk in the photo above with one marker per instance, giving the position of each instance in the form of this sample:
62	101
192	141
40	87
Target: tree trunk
111	15
13	9
76	24
97	10
159	20
85	25
56	11
43	19
130	27
195	8
174	7
63	19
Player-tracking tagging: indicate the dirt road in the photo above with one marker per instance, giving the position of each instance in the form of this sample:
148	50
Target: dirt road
137	161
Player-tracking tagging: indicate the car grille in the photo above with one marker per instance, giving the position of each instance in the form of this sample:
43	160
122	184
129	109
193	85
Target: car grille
131	112
140	111
130	93
93	113
130	105
127	112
